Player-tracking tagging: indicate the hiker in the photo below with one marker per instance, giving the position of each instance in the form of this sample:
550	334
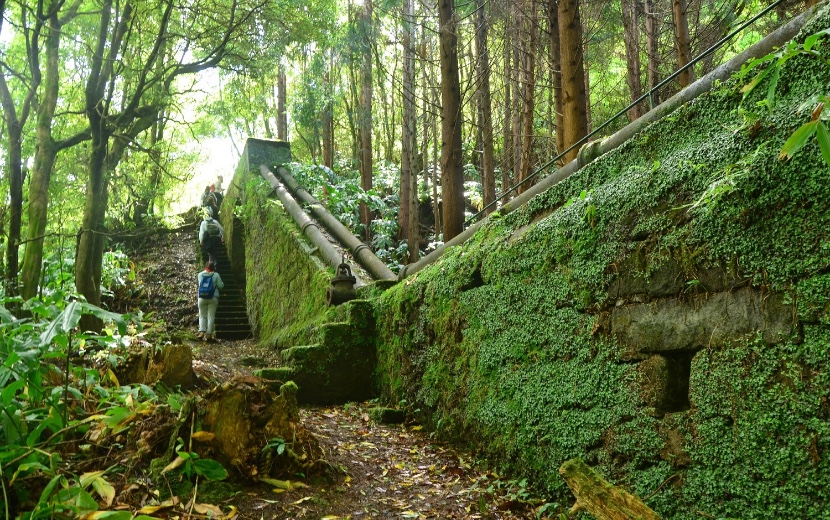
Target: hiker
209	284
218	184
211	237
209	201
218	196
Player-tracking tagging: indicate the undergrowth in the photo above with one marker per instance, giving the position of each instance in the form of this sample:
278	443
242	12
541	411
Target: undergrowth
506	344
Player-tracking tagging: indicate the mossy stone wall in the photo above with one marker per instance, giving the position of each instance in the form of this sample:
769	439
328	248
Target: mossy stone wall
522	341
285	282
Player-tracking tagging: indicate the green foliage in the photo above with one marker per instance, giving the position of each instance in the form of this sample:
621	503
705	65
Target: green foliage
508	343
285	314
192	465
776	62
815	127
340	192
44	406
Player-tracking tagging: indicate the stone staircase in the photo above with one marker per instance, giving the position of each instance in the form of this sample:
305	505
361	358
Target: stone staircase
232	315
340	367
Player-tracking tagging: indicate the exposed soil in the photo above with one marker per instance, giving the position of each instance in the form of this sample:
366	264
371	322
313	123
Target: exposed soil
388	471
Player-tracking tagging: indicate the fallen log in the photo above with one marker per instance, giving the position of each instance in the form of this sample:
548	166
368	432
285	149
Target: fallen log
602	499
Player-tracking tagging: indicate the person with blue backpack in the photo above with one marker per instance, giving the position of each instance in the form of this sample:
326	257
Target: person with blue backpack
209	284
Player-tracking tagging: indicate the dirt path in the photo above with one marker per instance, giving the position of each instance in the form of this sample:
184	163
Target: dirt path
388	471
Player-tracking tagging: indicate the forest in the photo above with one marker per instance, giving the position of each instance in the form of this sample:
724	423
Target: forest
409	119
421	113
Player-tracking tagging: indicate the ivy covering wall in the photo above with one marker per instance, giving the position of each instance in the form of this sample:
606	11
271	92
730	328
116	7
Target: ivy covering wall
285	283
513	342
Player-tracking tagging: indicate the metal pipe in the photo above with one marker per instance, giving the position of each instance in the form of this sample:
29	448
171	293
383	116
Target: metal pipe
649	95
309	227
592	150
360	251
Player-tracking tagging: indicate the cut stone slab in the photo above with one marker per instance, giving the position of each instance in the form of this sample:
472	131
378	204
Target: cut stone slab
698	322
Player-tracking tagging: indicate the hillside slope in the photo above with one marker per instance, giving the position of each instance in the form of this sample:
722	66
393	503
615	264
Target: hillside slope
664	313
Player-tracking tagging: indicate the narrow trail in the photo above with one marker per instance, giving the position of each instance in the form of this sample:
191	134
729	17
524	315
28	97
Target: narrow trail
388	471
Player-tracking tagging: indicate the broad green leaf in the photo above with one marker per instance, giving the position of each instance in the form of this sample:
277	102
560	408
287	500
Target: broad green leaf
49	489
797	141
823	137
87	478
210	469
748	88
77	497
811	40
10	391
71	316
25	467
63	323
105	490
107	316
6	316
773	84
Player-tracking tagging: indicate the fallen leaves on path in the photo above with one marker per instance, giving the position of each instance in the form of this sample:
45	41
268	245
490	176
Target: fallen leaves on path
392	471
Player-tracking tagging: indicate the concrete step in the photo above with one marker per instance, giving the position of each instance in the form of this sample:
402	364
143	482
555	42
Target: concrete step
232	315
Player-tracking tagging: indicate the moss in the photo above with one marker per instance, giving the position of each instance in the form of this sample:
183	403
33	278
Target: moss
275	374
505	342
286	285
216	492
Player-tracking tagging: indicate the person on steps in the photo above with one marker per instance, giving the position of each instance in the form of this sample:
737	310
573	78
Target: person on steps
209	285
209	201
211	237
217	196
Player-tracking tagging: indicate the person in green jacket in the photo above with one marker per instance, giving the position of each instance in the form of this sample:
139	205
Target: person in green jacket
209	285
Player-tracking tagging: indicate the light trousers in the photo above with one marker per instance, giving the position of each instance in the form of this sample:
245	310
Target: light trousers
207	314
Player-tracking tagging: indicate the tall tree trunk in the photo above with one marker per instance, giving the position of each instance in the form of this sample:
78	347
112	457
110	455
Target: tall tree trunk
573	76
365	123
682	42
488	180
282	115
408	213
652	50
631	36
328	122
528	97
556	73
387	110
96	105
518	92
46	148
15	121
507	127
452	171
429	131
14	160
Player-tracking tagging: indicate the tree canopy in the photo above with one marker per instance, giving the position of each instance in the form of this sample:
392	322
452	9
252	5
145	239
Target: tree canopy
105	103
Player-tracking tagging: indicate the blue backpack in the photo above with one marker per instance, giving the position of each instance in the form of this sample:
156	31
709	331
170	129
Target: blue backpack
206	288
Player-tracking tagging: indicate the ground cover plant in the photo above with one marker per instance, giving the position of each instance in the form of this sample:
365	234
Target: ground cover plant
513	342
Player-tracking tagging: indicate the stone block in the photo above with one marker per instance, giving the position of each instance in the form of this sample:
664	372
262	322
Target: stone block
702	321
304	356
